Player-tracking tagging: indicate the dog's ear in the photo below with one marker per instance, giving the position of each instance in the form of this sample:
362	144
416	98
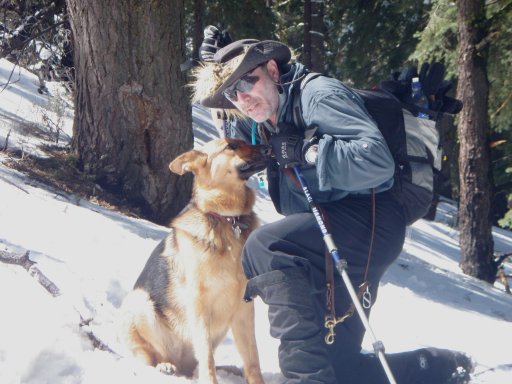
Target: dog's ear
188	162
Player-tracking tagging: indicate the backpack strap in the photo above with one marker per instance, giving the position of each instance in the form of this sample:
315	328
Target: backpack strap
298	119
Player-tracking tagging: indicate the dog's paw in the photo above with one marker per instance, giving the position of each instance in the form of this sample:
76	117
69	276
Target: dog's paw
166	368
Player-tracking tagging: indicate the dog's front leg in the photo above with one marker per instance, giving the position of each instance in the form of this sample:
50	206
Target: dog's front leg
242	327
201	340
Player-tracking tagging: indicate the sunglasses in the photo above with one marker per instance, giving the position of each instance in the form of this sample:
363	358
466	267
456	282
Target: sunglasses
244	84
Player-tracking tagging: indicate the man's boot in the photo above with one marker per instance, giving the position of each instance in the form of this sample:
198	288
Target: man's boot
431	366
422	366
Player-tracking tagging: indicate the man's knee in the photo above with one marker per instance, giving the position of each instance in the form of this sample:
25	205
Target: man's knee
284	282
255	253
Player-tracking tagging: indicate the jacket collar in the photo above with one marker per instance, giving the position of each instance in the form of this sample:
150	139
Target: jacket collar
290	79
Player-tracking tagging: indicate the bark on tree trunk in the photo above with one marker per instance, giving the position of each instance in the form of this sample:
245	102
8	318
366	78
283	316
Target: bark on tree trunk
132	110
314	35
198	9
307	34
475	188
317	36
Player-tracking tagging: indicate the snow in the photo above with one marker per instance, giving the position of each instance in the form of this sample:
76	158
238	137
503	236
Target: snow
94	255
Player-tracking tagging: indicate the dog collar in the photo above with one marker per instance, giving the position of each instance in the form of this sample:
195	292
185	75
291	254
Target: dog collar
235	222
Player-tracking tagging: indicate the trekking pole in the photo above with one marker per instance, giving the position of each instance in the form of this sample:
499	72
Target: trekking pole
341	266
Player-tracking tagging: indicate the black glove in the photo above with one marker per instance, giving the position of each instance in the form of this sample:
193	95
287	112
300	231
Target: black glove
289	146
213	40
432	77
287	149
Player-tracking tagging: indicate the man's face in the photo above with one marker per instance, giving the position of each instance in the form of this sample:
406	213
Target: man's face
260	103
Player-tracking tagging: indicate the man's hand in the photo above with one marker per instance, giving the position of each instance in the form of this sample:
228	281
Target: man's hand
289	148
214	39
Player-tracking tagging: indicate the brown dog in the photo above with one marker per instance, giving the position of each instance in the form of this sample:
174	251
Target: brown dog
190	291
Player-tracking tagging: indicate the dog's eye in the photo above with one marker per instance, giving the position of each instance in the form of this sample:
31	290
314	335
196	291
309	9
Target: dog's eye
232	146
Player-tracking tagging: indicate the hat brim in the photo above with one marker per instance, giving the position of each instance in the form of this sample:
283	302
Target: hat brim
257	53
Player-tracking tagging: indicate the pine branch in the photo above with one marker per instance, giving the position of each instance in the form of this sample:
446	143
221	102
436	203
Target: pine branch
486	41
26	32
499	15
491	21
503	105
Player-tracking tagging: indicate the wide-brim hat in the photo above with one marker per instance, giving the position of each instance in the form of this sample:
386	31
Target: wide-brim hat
254	53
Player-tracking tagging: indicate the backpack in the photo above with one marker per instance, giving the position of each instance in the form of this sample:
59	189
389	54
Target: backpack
413	142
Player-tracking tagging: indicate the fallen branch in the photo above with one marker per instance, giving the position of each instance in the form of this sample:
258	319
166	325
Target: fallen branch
6	145
14	185
24	261
95	340
503	278
500	259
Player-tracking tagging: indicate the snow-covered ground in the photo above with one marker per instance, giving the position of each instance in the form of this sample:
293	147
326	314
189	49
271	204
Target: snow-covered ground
94	255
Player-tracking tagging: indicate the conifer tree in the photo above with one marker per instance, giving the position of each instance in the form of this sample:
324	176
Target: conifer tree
132	113
476	240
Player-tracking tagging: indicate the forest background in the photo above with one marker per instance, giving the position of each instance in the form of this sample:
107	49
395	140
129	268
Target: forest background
121	60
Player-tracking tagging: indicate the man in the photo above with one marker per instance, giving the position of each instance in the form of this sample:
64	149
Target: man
349	171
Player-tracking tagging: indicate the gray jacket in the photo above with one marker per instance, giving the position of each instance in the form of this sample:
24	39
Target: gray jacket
353	156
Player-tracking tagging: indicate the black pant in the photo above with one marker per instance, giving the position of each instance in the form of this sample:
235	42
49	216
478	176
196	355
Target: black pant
275	257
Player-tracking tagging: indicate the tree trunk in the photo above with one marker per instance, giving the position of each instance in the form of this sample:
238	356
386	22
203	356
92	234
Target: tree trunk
198	27
314	35
475	189
132	110
317	36
306	54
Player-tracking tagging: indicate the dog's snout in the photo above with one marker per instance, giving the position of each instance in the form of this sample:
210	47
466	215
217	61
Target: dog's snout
266	150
